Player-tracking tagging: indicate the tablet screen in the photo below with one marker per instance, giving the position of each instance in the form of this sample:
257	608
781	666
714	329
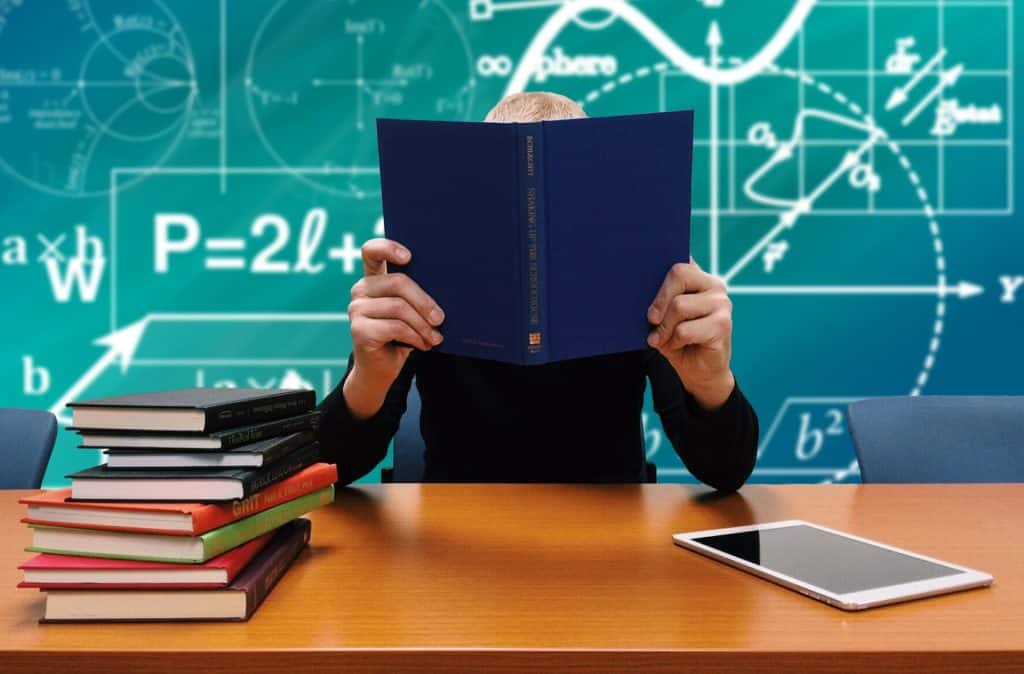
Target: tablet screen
830	561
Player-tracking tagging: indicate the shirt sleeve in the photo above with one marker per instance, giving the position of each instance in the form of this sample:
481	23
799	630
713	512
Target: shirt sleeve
718	447
357	446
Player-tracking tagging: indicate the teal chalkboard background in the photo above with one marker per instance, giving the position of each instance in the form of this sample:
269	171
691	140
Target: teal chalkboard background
185	186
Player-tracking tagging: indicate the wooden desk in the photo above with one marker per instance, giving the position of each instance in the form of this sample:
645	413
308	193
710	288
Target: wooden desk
508	578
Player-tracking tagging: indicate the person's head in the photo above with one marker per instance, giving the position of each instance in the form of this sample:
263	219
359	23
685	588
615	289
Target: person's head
534	106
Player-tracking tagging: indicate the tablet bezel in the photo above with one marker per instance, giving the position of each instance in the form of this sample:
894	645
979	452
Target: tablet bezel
851	601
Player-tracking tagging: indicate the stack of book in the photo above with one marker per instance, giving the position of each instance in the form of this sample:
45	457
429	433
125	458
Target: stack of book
195	514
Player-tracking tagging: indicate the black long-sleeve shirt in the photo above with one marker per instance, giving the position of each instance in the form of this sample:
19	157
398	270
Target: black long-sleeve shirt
571	421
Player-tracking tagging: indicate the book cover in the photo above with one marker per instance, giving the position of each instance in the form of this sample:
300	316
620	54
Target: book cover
218	440
565	228
186	484
267	569
219	408
176	549
70	572
254	454
181	519
236	602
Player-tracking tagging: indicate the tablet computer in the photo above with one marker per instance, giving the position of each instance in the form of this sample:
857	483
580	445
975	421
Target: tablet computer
841	570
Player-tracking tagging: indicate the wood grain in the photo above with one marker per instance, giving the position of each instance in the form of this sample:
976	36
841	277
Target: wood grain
539	577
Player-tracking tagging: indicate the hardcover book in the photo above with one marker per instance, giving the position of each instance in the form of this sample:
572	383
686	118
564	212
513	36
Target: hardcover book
68	572
101	483
225	439
175	549
201	410
252	455
541	241
238	601
182	519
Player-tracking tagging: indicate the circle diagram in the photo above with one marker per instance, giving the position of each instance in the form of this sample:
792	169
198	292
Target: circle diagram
118	92
319	73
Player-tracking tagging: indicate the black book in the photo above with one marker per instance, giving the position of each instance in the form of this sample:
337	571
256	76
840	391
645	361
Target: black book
252	455
195	410
222	440
101	483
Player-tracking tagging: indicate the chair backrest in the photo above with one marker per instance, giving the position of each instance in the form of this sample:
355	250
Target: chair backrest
939	438
407	448
26	441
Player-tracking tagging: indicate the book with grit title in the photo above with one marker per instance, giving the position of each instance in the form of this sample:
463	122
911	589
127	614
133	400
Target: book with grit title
180	549
56	508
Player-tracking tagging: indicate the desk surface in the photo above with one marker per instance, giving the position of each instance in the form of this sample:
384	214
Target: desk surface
507	577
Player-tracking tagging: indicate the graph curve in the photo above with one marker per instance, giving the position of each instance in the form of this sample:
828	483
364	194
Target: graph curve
694	66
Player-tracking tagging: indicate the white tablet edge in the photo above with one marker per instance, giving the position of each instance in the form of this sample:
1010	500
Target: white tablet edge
966	578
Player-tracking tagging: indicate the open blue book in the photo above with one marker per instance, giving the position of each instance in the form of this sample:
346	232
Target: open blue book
541	241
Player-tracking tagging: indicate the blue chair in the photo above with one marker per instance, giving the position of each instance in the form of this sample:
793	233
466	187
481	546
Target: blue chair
26	441
408	448
939	438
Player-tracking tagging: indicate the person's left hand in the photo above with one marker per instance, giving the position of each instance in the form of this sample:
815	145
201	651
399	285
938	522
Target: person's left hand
692	315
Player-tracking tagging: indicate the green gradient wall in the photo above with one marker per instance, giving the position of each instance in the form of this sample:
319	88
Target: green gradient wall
184	186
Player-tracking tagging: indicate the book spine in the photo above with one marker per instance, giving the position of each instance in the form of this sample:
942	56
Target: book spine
533	336
231	536
247	413
275	472
274	565
542	249
213	516
286	445
285	426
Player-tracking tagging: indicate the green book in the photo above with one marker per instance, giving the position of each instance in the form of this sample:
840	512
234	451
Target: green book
169	548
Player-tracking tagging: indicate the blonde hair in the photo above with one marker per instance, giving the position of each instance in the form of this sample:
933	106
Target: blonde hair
534	106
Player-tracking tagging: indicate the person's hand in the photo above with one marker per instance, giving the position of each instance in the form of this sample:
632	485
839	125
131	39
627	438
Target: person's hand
389	315
692	315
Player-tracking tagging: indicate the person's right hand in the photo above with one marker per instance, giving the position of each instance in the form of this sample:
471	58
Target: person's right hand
389	315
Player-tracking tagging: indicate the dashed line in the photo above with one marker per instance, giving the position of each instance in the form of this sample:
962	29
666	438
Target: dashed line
883	136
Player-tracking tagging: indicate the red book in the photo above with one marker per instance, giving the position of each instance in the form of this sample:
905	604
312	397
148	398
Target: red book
182	519
67	572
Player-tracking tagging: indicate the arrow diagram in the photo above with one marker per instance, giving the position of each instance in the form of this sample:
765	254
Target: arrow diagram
947	79
121	345
899	95
714	42
963	290
800	207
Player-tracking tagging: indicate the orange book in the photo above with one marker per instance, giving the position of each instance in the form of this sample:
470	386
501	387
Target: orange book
55	508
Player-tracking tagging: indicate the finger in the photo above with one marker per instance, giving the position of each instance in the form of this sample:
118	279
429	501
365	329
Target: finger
687	307
400	285
380	332
701	331
681	278
395	308
378	252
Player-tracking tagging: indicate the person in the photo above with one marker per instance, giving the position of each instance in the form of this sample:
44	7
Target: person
571	421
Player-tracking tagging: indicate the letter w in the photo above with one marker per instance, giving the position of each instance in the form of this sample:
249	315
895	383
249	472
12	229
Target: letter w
77	275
